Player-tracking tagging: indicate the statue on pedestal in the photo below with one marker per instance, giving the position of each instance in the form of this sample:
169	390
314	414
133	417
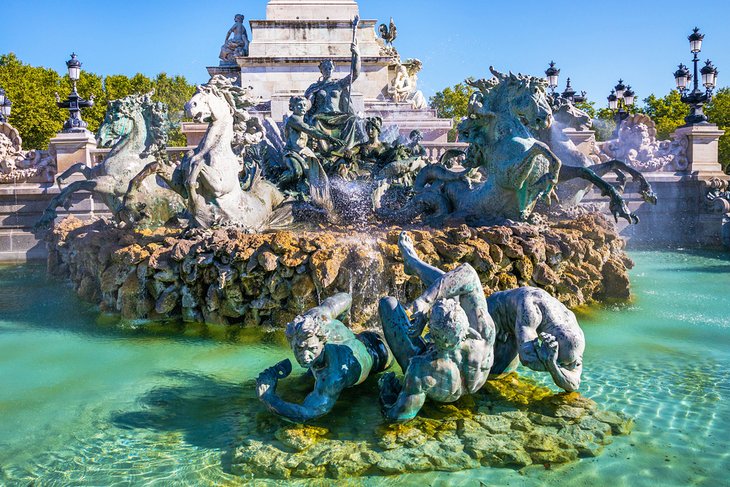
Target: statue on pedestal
332	111
404	87
457	358
236	45
335	356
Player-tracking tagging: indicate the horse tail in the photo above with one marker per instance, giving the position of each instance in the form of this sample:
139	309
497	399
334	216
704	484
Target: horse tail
436	172
281	218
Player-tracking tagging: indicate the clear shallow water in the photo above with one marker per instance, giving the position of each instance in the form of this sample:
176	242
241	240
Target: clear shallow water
85	401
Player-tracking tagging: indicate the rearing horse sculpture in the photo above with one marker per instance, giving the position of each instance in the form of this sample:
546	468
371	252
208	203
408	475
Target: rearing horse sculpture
519	169
208	179
136	129
577	166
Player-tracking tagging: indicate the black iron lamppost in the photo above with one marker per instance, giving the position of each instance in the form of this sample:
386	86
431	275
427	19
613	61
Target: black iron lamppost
74	103
696	98
5	106
570	94
552	74
620	101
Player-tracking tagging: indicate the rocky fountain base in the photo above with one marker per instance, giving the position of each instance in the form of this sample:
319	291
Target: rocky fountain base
227	277
511	423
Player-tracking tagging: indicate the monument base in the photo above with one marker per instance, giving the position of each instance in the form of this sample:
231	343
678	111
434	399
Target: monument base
71	148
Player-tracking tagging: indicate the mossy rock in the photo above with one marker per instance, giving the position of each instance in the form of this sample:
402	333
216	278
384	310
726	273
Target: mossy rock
512	422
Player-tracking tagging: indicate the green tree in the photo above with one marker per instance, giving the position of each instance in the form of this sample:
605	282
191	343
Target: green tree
587	106
37	117
452	103
31	89
718	111
667	112
174	92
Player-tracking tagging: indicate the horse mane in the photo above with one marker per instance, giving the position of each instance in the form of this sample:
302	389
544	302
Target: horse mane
155	115
239	99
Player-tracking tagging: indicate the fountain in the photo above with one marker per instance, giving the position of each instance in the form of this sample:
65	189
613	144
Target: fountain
409	288
324	232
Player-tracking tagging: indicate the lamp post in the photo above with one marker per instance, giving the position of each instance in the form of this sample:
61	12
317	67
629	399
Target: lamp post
697	97
74	103
552	74
570	94
620	102
5	106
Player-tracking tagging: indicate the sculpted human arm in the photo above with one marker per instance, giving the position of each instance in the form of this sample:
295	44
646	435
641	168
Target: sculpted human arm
332	307
528	319
566	377
356	67
301	126
402	404
317	403
463	283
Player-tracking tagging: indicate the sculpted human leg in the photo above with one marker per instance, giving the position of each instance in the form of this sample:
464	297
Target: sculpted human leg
413	265
396	329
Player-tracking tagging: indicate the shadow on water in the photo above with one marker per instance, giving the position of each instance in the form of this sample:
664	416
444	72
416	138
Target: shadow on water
214	414
60	309
709	269
209	413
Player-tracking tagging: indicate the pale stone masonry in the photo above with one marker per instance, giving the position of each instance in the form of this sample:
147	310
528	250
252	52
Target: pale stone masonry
287	47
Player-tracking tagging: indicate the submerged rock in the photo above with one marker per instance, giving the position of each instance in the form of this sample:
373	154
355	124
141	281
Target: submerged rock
511	422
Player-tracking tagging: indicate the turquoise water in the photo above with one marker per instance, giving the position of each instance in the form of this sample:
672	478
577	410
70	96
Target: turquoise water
87	401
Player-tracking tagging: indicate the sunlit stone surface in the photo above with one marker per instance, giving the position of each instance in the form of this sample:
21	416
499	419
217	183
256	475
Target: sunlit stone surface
228	277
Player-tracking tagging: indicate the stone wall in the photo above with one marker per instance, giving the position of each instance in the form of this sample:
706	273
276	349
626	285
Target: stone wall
227	277
682	216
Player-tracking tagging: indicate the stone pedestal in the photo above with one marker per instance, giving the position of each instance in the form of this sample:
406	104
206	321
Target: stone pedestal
584	140
311	9
296	36
702	150
71	148
407	118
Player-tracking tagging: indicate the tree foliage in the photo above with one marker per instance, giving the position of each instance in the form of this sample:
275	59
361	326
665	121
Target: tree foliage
718	111
38	119
452	102
667	112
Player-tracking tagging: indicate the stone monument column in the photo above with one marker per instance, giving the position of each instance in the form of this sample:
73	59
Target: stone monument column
72	147
285	52
311	10
702	150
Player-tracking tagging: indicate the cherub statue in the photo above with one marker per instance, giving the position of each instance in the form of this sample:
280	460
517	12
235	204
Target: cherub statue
336	357
236	45
298	155
541	331
456	356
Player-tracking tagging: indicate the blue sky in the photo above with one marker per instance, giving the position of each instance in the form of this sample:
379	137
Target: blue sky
593	42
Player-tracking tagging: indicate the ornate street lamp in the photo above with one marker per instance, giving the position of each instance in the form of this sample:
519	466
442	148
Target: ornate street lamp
74	103
552	74
570	94
696	98
621	100
5	106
